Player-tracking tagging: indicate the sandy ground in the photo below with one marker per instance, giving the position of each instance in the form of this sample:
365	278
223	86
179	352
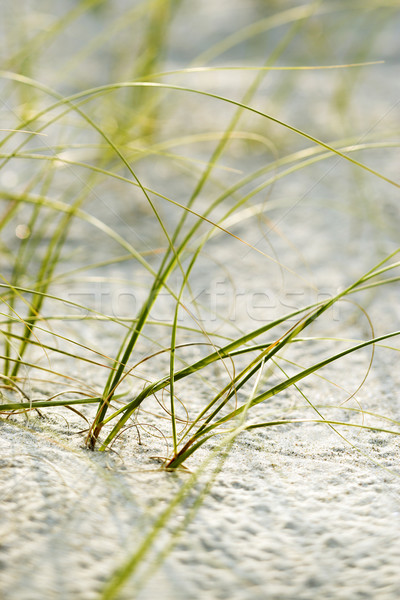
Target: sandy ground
293	512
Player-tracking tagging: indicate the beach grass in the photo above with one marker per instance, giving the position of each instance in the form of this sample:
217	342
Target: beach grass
118	184
44	234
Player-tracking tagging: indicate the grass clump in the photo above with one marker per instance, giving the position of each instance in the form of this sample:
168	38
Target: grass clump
83	210
198	239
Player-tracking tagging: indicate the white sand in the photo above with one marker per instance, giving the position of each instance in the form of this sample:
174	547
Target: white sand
296	512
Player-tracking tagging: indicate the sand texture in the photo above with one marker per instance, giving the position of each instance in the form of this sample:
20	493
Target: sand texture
301	511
